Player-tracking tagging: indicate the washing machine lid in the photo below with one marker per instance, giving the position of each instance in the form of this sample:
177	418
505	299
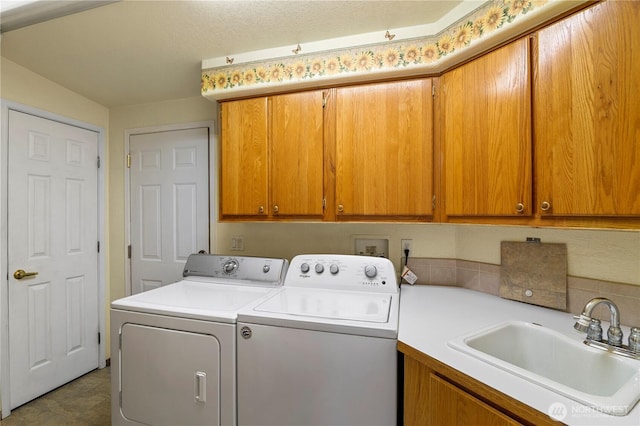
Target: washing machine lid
357	313
330	305
194	299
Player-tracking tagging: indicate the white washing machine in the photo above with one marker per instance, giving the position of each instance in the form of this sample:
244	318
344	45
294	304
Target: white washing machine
173	349
322	349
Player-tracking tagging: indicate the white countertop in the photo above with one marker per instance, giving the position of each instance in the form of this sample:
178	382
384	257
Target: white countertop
430	316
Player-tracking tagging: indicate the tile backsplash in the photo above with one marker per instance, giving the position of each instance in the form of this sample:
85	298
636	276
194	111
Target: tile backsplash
485	277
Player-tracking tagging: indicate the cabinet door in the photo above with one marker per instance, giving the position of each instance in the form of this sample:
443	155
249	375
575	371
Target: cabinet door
587	113
243	164
297	154
486	131
450	405
384	149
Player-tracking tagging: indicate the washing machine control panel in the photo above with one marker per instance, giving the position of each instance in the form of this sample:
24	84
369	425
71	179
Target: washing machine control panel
236	268
345	272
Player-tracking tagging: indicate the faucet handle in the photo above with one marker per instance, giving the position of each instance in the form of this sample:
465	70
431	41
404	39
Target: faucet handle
634	339
595	330
614	335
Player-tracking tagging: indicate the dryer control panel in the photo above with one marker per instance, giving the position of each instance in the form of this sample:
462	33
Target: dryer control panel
237	269
344	272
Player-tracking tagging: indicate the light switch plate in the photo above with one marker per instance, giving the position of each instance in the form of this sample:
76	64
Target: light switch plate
237	243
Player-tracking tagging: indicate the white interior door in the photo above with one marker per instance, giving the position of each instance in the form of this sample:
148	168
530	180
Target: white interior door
52	233
169	190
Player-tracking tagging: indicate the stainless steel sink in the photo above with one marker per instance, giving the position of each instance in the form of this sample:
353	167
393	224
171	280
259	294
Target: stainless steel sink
603	381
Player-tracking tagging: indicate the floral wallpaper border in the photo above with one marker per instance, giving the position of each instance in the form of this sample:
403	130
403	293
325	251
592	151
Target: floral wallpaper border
383	57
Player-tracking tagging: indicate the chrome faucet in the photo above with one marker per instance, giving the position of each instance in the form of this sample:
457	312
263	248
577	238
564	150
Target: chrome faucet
591	326
614	334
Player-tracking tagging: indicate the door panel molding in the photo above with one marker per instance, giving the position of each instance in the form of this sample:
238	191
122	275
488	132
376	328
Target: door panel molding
182	159
38	149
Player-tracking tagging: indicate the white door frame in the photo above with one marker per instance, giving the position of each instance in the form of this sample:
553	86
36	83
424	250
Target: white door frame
4	281
213	188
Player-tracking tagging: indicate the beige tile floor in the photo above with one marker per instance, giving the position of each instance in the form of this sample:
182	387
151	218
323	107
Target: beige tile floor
84	402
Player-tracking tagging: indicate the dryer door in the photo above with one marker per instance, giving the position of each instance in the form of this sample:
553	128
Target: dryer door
169	377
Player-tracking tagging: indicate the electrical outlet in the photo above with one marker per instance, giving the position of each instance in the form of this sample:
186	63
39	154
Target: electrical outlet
237	243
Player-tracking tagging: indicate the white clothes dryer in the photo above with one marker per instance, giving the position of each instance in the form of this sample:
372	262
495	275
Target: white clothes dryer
322	349
173	349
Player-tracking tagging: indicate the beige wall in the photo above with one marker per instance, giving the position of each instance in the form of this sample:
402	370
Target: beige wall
599	254
18	84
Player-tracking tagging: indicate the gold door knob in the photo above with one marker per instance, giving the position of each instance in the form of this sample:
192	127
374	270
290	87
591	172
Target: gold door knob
20	274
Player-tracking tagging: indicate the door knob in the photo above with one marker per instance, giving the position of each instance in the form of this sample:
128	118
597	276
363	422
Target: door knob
20	274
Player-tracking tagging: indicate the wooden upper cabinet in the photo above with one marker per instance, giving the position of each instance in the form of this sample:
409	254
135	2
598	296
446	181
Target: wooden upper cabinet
486	134
587	113
243	161
384	150
297	154
271	162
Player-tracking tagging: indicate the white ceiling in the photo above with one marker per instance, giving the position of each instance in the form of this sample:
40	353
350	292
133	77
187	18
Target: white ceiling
139	51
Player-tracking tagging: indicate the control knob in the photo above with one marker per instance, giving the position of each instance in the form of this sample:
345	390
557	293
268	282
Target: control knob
230	266
304	268
334	269
319	268
370	271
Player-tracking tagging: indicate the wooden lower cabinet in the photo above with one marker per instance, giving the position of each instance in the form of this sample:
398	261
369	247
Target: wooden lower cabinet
451	405
438	395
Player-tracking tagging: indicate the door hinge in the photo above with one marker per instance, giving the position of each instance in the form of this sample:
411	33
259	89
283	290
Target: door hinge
325	95
128	161
433	91
98	246
324	203
433	202
98	161
129	251
98	337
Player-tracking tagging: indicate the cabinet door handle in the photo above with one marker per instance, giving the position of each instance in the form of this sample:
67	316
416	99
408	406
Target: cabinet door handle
276	209
201	386
545	206
261	209
340	208
520	207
